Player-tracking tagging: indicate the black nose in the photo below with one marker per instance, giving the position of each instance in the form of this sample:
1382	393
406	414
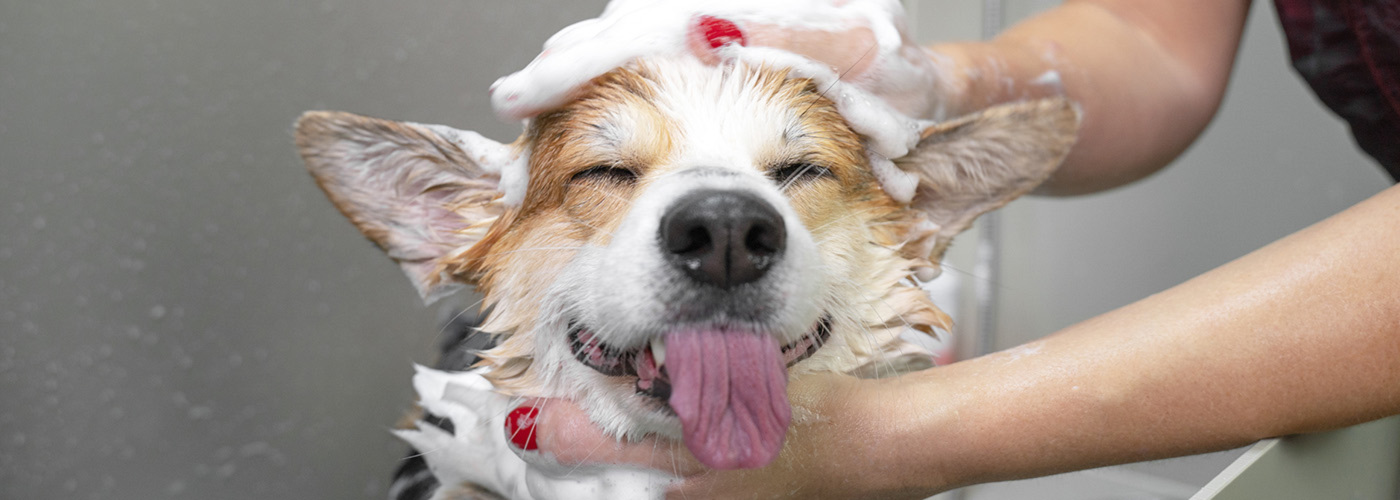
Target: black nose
724	238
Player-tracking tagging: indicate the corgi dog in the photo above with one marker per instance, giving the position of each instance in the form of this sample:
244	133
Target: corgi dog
681	239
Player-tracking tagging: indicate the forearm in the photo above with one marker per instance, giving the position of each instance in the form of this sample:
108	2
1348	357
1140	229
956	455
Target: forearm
1148	75
1300	336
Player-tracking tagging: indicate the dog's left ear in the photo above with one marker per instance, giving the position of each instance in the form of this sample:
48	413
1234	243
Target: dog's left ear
977	163
419	192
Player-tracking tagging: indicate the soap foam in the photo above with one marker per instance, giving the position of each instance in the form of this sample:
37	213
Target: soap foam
886	105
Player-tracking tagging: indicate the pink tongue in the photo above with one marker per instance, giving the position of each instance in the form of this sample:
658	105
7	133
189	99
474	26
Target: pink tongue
730	390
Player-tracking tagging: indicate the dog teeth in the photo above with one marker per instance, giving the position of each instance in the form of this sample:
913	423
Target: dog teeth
658	351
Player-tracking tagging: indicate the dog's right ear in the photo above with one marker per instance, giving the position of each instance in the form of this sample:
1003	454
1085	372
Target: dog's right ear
419	192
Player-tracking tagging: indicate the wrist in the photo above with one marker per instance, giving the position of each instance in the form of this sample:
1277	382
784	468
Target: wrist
909	435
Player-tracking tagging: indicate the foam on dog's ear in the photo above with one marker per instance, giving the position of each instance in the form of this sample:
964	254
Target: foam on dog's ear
419	192
977	163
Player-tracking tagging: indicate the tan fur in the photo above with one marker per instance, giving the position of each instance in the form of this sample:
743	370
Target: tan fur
330	140
444	219
986	173
862	226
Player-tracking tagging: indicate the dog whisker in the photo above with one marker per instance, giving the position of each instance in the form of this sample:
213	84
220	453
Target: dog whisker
840	76
585	458
589	225
461	311
853	214
625	201
973	275
585	280
869	335
790	180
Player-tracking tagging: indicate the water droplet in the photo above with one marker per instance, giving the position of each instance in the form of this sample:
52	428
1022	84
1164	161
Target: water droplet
40	222
157	312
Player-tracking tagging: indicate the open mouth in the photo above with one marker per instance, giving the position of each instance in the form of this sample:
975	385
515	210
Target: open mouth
648	362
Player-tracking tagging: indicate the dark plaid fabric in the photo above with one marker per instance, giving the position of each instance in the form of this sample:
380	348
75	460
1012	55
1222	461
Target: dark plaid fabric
1349	53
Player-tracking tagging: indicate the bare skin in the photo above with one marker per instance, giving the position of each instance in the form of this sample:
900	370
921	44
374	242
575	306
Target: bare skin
1300	336
1149	75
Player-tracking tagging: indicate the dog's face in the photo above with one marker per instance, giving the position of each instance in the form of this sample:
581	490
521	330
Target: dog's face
687	236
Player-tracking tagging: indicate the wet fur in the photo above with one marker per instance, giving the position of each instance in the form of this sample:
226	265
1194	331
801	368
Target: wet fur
538	264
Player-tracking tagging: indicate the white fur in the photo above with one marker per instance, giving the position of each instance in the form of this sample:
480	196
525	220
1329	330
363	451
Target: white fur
625	291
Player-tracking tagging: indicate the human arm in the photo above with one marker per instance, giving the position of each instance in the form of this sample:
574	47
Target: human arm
1149	76
1300	336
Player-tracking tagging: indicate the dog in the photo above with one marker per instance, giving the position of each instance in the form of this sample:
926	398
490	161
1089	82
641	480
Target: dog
680	239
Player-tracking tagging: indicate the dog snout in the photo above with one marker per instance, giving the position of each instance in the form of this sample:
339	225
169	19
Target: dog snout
724	238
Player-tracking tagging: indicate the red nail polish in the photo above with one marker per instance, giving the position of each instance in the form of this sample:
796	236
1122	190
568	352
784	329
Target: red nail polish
520	427
719	32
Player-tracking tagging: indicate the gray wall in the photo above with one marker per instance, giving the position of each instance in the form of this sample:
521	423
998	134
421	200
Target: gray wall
182	314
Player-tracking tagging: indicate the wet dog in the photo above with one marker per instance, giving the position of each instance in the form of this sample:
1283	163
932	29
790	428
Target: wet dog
680	239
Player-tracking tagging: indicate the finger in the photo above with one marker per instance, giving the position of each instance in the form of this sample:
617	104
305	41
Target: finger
520	426
563	430
850	53
707	34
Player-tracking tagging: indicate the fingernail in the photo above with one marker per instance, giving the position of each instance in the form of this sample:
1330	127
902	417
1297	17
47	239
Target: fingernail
520	427
719	32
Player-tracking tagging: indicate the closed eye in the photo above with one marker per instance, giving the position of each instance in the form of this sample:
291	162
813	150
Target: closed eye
798	172
606	173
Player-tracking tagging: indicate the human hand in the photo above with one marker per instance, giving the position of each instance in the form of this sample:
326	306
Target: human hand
482	447
830	451
859	42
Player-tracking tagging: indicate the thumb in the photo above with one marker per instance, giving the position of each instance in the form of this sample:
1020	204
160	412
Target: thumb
561	429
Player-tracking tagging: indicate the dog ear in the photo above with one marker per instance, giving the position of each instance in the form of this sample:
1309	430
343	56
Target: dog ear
977	163
419	192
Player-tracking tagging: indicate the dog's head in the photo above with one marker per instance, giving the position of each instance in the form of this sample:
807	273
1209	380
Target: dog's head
688	235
